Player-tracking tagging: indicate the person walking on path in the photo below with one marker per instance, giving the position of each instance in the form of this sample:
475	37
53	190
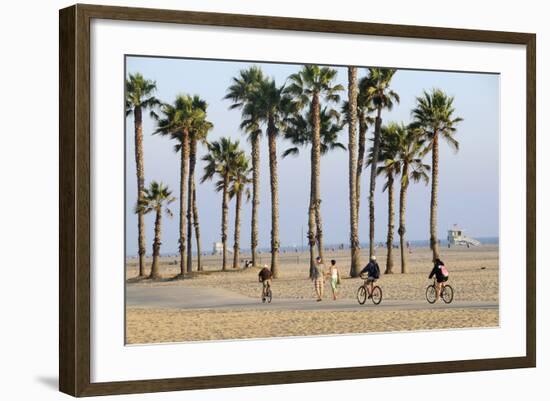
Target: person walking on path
318	278
334	278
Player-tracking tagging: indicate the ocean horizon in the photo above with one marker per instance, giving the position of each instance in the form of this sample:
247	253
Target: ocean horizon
331	246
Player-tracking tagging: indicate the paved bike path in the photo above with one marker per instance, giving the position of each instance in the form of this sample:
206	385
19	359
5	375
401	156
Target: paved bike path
179	297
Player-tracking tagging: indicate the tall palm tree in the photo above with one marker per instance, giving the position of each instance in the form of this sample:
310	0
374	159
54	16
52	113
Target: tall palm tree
139	97
269	105
309	86
409	162
383	97
199	131
362	104
220	161
434	116
199	136
299	132
389	147
156	198
351	109
365	108
177	121
240	181
240	93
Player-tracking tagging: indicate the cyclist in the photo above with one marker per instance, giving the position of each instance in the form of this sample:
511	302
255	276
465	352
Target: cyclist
264	277
372	270
441	276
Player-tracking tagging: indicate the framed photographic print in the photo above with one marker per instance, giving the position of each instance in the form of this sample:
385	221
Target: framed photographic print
249	200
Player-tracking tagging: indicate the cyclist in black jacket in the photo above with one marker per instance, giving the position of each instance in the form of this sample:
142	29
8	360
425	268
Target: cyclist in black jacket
373	273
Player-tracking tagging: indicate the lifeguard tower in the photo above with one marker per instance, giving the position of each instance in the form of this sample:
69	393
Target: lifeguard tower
456	236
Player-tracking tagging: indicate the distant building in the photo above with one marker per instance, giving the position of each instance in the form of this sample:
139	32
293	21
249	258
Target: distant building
217	248
456	236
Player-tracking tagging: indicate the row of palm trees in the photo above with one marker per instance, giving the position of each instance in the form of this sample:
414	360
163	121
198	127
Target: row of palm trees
301	112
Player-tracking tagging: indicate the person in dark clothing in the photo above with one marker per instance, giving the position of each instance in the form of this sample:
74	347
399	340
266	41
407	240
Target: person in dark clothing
264	277
441	276
372	271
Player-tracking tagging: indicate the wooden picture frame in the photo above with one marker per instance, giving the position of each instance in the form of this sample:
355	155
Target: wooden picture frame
74	203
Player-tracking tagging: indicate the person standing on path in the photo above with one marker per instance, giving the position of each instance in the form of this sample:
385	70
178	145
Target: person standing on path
318	278
334	278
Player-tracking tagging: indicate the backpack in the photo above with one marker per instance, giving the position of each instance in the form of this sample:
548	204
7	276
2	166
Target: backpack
444	271
376	271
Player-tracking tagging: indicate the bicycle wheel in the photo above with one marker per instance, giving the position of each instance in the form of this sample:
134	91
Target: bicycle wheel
269	295
430	294
447	294
361	295
376	295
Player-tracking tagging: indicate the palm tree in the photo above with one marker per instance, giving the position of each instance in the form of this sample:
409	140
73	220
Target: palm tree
268	105
299	132
350	109
240	93
220	161
382	97
156	199
199	131
434	116
388	151
309	86
240	180
409	162
199	135
139	97
364	110
177	122
362	104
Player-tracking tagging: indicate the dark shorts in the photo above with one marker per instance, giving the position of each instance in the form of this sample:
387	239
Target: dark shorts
371	280
443	280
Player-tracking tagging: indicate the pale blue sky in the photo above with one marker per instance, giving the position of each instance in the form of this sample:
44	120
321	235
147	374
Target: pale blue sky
469	186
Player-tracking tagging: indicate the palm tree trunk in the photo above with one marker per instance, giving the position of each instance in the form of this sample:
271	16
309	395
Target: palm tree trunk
316	160
197	227
225	208
311	218
274	181
236	243
352	155
156	246
140	175
433	203
183	193
255	195
391	226
360	157
375	151
402	230
190	200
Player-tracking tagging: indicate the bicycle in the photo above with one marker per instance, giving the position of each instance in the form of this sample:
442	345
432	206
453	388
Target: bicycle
376	294
267	295
447	293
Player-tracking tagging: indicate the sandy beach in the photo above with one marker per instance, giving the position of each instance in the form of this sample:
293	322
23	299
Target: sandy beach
474	277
